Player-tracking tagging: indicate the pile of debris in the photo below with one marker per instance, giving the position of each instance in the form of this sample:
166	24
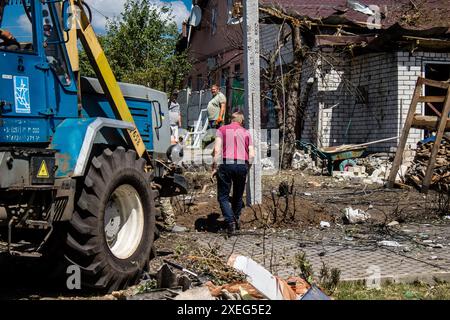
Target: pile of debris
441	174
239	278
302	160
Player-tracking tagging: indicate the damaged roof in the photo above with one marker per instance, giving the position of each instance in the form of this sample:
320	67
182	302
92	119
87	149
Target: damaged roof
409	14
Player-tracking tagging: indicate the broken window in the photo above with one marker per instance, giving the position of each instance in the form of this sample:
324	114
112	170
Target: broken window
16	21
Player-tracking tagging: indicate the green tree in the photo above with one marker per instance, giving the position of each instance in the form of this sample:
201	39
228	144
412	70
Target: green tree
141	47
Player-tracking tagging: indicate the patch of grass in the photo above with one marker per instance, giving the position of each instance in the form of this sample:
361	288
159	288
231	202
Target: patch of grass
415	291
328	278
146	286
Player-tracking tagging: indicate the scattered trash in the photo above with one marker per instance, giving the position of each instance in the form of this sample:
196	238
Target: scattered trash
307	194
325	224
427	241
299	285
267	164
356	215
234	288
360	7
434	257
393	224
225	295
387	243
202	279
244	294
270	286
314	184
314	293
446	217
348	238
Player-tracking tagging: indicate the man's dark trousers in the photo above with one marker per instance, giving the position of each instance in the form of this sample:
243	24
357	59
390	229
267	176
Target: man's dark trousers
231	175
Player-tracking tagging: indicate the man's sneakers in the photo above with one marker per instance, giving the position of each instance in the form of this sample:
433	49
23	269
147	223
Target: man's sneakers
231	230
238	224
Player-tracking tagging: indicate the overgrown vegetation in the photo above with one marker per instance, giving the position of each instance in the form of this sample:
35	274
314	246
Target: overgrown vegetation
389	291
141	46
281	208
208	262
327	279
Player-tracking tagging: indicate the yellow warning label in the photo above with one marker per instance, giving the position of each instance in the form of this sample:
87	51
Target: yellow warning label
43	171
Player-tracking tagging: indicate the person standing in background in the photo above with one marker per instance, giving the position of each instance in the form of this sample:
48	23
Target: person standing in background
216	108
174	116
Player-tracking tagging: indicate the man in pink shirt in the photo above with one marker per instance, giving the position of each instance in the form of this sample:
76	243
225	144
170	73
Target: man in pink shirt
234	153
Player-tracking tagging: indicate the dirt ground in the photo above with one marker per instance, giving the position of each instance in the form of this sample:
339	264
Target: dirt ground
295	200
291	200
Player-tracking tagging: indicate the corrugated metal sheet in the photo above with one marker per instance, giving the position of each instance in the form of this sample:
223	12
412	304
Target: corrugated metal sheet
417	14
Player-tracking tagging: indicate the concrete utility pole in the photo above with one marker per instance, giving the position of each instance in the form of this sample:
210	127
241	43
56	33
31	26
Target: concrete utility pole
252	95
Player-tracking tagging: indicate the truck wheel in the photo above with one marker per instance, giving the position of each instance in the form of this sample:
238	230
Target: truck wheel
112	229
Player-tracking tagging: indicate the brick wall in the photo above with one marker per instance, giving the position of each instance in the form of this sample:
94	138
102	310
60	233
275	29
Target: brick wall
411	66
365	98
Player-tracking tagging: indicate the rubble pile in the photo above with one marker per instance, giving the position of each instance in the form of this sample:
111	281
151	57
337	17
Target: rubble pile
375	164
441	173
303	161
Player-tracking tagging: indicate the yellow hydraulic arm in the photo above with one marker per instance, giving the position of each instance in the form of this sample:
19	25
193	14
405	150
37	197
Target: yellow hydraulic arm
104	73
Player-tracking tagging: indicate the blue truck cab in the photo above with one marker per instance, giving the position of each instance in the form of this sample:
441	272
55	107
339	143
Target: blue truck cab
67	166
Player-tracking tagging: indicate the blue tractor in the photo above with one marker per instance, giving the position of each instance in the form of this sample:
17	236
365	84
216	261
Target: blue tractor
82	160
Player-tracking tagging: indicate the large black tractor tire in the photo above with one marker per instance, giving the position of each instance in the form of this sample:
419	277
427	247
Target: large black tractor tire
113	254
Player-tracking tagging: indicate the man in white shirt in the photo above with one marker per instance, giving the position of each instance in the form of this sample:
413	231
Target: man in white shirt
174	116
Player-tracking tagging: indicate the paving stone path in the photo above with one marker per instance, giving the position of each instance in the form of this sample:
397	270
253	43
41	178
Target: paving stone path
423	254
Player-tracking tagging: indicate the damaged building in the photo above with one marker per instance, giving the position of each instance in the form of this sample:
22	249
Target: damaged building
360	67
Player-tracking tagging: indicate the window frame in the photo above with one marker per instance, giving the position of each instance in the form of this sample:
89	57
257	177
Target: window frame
34	49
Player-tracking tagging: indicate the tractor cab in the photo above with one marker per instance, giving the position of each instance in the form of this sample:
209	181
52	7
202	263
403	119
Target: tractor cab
37	86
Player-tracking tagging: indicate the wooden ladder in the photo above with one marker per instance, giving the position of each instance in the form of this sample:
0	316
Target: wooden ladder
438	123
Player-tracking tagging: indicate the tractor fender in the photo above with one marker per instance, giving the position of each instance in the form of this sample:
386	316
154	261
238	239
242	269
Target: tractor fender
73	142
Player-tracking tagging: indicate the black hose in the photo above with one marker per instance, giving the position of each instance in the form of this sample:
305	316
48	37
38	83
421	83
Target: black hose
88	10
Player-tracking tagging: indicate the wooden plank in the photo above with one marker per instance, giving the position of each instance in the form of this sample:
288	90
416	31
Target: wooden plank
437	143
330	40
428	123
432	99
404	137
434	109
434	83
